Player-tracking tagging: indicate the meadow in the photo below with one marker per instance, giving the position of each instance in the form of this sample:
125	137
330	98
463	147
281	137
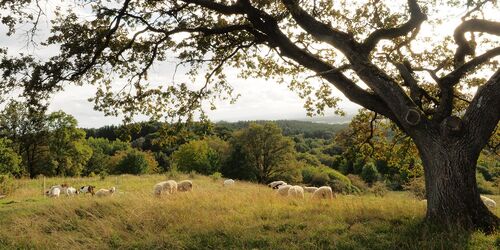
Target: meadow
244	216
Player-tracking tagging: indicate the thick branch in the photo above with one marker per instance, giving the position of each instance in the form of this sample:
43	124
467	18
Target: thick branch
473	25
417	17
483	114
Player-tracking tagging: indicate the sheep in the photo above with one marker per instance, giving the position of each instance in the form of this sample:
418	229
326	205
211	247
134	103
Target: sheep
228	182
276	184
283	189
105	192
296	192
488	202
324	192
165	187
70	191
185	186
87	189
54	192
310	189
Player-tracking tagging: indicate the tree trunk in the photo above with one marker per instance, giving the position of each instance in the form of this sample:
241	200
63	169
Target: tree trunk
450	180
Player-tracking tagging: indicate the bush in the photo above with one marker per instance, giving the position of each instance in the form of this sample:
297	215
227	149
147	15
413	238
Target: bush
216	176
172	173
6	184
379	189
369	173
358	182
417	187
135	162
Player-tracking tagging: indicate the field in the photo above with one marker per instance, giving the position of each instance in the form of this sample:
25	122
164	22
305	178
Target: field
245	216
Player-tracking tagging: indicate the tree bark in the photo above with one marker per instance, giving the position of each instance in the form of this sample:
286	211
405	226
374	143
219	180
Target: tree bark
450	180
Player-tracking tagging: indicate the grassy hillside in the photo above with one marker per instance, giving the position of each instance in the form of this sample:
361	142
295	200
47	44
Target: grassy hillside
245	216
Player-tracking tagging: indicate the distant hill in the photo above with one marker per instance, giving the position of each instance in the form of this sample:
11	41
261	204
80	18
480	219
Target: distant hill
294	127
309	129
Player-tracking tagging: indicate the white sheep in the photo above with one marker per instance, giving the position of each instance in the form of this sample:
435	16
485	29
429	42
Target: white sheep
276	184
488	202
71	191
54	192
165	187
296	192
310	189
87	189
228	182
184	186
283	189
105	192
324	192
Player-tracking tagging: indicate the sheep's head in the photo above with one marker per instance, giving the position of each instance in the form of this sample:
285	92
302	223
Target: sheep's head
112	190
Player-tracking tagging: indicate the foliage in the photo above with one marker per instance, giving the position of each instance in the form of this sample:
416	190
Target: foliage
136	162
417	187
216	176
358	182
265	149
370	173
202	156
7	185
379	189
324	176
10	161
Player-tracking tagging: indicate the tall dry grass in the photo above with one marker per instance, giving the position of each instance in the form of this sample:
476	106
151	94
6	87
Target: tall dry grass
244	216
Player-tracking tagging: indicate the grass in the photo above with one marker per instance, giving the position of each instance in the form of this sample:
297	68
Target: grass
245	216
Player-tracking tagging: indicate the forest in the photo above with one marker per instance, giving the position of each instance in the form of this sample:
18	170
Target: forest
367	155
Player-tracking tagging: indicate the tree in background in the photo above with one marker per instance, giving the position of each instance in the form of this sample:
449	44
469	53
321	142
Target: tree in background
26	129
202	156
265	149
67	150
10	161
102	151
134	161
371	51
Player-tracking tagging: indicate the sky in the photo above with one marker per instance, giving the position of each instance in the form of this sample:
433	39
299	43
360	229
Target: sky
259	100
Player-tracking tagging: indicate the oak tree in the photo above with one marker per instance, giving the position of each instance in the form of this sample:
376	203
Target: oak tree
374	52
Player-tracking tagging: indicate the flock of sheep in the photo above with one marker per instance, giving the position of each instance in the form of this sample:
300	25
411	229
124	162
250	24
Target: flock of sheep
56	190
170	187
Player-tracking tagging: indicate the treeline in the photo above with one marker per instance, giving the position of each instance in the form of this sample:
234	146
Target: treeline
369	153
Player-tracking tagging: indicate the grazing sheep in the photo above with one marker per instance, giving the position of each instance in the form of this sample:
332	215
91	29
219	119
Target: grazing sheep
488	202
71	191
54	192
276	184
324	192
296	192
105	192
185	186
283	189
228	182
310	189
87	189
165	187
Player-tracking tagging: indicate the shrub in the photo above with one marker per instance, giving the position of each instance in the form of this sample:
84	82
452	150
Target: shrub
216	176
320	179
358	182
417	187
369	173
172	173
135	162
6	184
379	189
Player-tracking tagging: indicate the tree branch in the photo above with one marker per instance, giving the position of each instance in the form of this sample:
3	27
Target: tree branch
483	114
417	17
474	25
